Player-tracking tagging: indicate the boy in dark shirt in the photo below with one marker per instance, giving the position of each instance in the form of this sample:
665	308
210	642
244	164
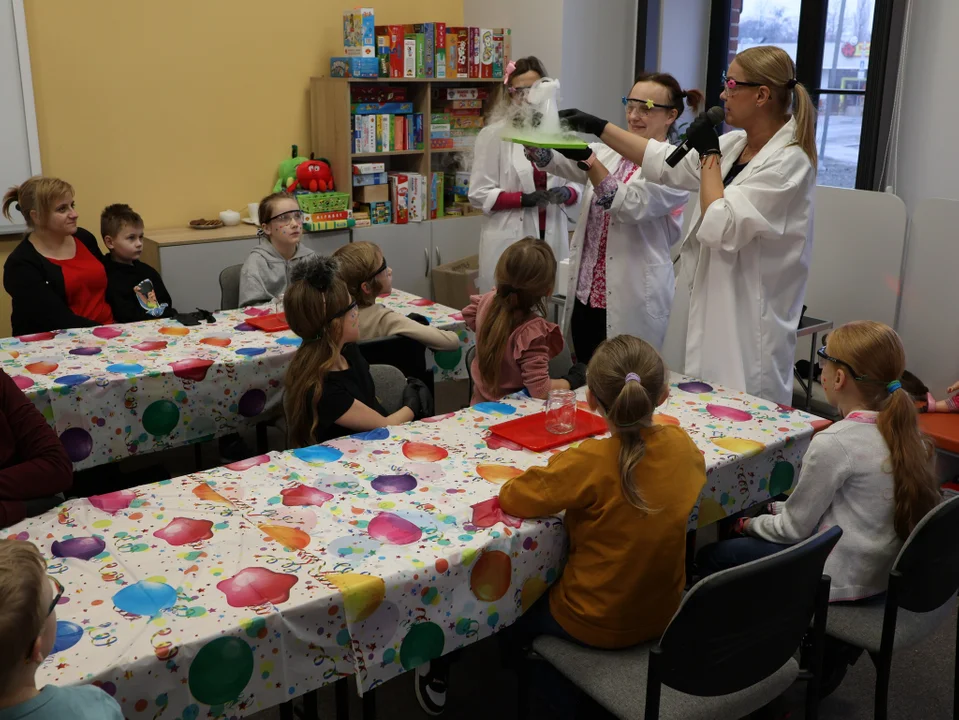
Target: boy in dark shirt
135	291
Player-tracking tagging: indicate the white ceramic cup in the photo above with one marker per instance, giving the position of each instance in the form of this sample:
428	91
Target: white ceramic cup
230	217
254	210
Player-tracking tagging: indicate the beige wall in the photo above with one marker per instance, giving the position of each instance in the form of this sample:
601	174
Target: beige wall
181	108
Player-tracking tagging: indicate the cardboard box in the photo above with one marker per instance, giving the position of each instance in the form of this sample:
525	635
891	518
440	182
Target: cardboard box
359	34
378	178
368	168
454	282
357	67
372	193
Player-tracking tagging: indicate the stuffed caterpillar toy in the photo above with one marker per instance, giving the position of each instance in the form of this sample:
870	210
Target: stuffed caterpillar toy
286	173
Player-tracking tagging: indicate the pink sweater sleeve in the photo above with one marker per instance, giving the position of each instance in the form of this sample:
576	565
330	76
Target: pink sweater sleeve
537	343
469	312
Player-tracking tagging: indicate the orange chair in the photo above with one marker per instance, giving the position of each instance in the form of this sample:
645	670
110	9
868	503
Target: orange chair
943	428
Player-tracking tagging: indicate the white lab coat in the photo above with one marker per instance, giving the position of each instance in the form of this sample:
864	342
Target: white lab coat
501	166
746	261
646	221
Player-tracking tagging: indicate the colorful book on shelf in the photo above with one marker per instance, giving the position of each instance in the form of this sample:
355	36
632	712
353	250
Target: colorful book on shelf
439	64
359	33
428	31
474	53
383	55
409	56
486	53
436	195
390	108
458	59
399	197
498	64
394	35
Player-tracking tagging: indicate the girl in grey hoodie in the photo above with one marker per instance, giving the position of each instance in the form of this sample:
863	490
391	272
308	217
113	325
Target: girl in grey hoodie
266	272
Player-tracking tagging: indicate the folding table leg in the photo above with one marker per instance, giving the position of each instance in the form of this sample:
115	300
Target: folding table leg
342	690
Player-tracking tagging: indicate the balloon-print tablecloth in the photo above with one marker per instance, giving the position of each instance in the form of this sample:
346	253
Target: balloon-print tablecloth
228	591
120	390
446	364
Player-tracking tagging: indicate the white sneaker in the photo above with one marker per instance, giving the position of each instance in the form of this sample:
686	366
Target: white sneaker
430	688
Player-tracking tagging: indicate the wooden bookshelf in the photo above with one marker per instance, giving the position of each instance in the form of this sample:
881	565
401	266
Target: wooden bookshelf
333	137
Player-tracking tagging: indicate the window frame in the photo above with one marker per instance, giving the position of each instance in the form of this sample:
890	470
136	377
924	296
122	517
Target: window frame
878	95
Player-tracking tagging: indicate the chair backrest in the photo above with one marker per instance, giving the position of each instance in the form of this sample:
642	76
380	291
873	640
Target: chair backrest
389	383
737	627
230	287
929	560
402	352
470	354
560	365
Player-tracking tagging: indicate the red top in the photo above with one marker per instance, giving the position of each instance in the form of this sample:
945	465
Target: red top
513	200
85	280
33	463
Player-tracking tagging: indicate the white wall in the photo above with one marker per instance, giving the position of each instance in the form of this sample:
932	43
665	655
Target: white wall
599	40
587	44
683	42
928	161
537	26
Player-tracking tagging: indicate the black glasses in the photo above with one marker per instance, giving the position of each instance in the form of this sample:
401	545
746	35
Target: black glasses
382	268
731	83
344	311
823	356
288	217
56	598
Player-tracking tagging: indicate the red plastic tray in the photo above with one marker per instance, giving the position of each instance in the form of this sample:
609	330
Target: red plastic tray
530	431
269	323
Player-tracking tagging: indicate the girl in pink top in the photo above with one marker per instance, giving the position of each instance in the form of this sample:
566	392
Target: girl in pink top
514	342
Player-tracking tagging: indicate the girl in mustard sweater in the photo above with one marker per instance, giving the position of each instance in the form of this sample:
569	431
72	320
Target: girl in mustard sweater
627	500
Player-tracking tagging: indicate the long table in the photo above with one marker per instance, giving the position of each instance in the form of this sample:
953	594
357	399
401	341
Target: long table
236	589
120	390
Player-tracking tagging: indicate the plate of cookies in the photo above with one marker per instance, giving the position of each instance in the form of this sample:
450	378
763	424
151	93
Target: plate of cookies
204	224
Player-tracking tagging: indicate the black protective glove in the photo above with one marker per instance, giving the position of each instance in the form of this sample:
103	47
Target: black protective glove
421	319
575	154
559	195
576	377
702	136
424	399
578	121
534	199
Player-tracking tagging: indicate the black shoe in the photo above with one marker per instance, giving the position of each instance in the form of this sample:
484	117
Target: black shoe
430	681
837	658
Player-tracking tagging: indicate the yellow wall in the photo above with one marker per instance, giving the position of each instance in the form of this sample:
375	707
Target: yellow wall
182	108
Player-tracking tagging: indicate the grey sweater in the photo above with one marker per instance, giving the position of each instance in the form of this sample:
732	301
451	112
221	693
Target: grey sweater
266	273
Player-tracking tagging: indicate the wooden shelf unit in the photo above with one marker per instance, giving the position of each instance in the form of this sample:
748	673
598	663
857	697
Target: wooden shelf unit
332	135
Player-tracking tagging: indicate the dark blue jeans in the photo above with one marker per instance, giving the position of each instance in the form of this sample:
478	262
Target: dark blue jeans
732	553
547	686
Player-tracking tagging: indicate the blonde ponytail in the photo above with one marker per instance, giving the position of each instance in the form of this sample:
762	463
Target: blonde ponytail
805	114
627	377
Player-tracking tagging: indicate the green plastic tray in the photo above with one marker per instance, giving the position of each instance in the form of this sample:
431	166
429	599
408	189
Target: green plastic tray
569	144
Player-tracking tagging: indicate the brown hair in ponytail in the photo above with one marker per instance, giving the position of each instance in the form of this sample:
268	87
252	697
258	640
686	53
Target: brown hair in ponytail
524	276
772	66
628	405
315	295
37	193
877	354
358	261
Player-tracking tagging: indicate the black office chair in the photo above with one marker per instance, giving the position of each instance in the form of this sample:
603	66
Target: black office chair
921	595
728	650
403	353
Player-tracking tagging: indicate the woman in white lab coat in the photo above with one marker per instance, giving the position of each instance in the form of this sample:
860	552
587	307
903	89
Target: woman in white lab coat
518	199
746	257
621	277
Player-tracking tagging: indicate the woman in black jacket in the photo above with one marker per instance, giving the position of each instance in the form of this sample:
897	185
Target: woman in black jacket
55	276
